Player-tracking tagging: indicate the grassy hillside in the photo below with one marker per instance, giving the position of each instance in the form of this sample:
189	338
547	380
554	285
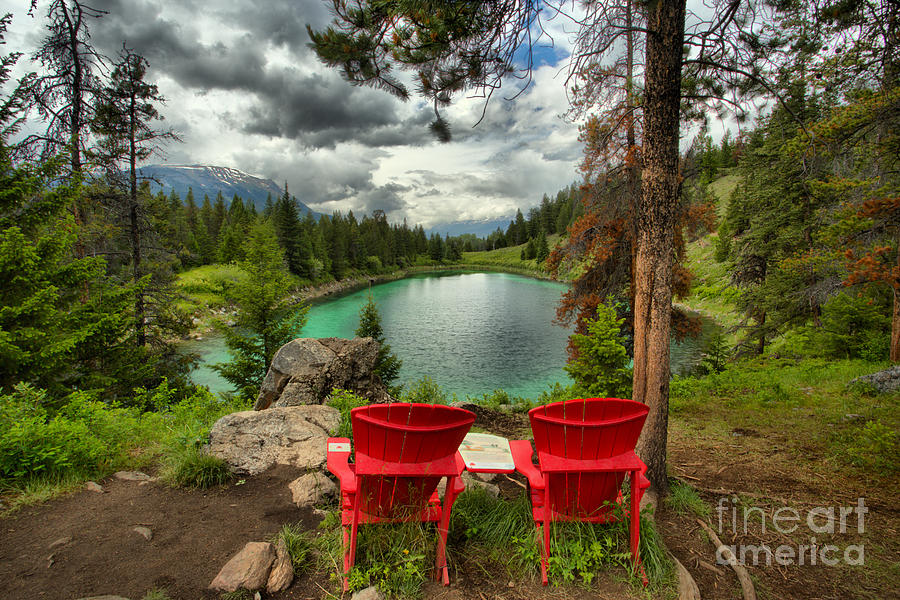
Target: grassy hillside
509	259
201	287
712	292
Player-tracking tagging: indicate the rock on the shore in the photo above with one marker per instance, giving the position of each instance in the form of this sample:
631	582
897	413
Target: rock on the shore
370	593
305	370
252	441
312	488
282	574
248	569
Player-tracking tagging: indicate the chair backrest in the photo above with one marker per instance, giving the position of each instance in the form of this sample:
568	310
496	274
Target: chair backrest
586	429
407	434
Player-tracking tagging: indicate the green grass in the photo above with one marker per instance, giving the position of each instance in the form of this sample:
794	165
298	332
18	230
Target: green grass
60	449
508	259
493	535
299	545
712	293
721	188
34	490
202	286
685	500
802	402
191	468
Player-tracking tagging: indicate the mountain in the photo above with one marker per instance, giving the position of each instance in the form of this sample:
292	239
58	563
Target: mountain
479	228
210	180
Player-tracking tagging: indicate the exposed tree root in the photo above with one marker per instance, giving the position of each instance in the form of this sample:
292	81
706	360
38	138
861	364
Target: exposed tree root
724	551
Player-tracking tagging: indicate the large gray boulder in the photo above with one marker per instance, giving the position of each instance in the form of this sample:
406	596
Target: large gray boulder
305	370
884	382
252	441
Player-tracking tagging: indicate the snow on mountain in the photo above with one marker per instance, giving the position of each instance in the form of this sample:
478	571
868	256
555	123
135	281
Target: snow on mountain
479	228
210	180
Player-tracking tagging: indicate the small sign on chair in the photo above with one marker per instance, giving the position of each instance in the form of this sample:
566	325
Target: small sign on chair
338	447
487	453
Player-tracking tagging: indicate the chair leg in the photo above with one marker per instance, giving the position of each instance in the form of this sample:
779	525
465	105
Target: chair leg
545	551
441	573
346	548
351	555
635	527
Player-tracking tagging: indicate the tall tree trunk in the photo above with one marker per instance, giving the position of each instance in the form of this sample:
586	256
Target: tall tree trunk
73	25
139	308
656	229
761	344
895	318
632	166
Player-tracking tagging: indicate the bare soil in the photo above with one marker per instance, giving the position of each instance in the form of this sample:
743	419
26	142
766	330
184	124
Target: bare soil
84	545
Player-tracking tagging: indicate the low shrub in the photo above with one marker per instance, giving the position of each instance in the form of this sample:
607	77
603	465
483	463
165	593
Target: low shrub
84	437
299	544
191	467
875	446
345	401
685	500
426	391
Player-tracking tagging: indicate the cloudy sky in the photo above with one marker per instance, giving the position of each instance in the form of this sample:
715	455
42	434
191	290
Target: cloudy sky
245	91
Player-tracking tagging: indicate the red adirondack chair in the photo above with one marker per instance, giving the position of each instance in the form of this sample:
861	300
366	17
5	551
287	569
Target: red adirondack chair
585	449
402	453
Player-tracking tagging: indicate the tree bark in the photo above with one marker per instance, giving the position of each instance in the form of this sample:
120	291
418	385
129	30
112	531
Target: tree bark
895	318
134	216
656	229
895	327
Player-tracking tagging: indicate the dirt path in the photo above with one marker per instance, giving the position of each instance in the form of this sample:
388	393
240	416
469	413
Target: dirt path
194	534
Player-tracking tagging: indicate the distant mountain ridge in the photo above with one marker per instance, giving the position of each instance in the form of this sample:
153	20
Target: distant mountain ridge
478	228
210	180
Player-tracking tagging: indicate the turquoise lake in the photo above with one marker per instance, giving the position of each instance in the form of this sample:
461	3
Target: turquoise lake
471	333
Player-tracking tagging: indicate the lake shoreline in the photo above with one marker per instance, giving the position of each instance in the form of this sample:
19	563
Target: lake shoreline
352	284
203	325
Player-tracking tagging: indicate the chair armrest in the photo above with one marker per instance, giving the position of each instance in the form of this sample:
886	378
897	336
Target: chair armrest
522	453
643	482
338	462
460	485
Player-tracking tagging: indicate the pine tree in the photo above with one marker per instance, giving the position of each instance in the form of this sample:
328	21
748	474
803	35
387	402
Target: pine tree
124	118
542	251
266	315
63	324
387	365
286	223
476	46
598	361
436	248
65	95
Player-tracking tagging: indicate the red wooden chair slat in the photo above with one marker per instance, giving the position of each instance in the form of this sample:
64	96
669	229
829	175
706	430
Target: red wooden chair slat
402	453
585	450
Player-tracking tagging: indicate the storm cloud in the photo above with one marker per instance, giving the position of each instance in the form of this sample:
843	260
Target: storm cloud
244	90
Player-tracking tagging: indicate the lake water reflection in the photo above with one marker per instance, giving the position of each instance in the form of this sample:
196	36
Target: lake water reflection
471	333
